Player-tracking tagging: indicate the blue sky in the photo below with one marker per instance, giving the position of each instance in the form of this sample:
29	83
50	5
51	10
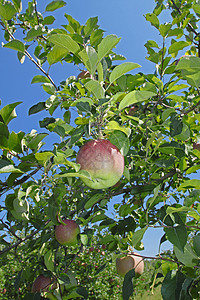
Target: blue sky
123	18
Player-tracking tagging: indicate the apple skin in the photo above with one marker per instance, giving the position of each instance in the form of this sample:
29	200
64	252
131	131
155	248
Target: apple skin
196	146
83	75
129	262
103	161
67	234
132	110
41	284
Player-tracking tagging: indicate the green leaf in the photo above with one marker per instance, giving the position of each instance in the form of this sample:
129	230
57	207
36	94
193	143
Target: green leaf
64	41
93	200
127	289
18	5
177	236
6	167
164	29
176	46
55	5
20	209
169	286
49	260
135	97
191	63
4	130
153	19
56	54
33	144
89	58
122	69
196	244
187	257
14	142
48	20
176	125
190	184
121	141
8	112
7	10
80	174
15	45
90	25
196	8
37	108
95	88
39	79
113	125
49	88
35	32
106	45
137	236
42	157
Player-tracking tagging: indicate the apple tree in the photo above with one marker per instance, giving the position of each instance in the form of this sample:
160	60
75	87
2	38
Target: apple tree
151	124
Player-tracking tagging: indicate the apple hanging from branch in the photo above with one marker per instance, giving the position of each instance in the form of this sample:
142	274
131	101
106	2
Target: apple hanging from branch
41	284
103	161
66	234
129	262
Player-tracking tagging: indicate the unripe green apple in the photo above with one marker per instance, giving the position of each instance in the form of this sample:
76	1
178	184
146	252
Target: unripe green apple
103	161
129	262
67	234
41	284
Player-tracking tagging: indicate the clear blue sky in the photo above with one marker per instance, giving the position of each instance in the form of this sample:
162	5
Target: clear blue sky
123	18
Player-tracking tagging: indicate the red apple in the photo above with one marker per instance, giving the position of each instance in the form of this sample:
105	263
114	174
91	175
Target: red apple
41	284
196	146
129	262
132	110
103	161
83	75
91	249
67	234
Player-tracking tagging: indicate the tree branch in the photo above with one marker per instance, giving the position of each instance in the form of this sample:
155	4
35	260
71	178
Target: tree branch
19	242
189	24
31	58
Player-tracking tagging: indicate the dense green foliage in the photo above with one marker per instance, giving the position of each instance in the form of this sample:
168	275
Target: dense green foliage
153	119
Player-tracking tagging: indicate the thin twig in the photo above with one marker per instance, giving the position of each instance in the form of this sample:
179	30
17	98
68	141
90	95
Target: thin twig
189	24
10	230
31	58
19	242
36	12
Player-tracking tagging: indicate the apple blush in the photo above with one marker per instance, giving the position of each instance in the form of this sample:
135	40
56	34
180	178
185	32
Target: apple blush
67	234
103	161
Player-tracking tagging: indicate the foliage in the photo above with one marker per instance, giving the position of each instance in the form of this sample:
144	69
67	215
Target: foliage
152	118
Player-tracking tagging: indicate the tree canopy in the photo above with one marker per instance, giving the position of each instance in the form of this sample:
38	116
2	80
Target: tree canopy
152	119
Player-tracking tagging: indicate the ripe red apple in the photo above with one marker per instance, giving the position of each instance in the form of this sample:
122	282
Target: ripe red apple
91	249
132	110
129	262
103	161
67	234
41	284
83	75
196	146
